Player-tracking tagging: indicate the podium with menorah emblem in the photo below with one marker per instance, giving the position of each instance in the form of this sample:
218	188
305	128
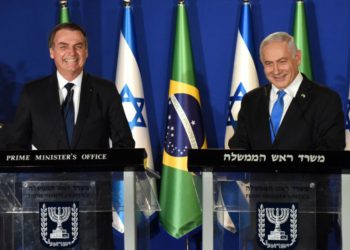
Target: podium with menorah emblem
66	199
273	199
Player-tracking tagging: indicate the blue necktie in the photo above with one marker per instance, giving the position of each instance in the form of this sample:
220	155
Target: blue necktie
68	111
276	114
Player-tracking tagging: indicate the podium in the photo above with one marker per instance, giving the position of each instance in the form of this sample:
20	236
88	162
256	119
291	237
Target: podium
273	200
65	199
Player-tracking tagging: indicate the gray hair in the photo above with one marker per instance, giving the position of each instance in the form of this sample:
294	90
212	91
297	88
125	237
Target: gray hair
279	37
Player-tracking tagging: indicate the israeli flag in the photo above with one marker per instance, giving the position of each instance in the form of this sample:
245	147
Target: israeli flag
129	85
244	75
244	79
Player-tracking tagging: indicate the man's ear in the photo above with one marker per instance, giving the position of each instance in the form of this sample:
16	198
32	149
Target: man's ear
51	53
298	56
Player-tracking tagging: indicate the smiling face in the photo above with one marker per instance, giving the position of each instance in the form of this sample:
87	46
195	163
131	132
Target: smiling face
280	66
69	51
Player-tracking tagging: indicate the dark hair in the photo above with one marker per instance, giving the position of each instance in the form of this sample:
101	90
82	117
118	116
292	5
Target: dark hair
66	26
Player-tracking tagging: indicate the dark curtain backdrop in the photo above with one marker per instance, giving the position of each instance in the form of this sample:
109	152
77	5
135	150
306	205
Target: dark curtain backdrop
25	25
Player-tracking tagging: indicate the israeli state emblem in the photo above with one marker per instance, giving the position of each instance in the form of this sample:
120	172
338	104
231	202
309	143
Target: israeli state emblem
59	224
277	225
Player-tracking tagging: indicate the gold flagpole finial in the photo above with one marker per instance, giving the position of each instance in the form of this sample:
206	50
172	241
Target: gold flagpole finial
63	3
127	2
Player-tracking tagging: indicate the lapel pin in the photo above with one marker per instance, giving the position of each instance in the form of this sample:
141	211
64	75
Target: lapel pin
303	95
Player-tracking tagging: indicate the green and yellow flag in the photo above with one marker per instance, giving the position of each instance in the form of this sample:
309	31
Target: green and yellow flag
179	201
64	15
301	38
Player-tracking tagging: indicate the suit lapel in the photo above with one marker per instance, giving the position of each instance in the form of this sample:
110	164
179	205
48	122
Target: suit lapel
295	111
265	118
54	107
84	107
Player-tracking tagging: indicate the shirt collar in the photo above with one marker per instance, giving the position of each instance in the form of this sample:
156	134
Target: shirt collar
62	81
292	88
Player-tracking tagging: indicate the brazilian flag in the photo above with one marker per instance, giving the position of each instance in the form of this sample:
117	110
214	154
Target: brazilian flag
179	201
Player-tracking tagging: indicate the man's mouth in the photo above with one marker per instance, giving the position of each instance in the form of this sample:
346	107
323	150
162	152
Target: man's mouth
70	60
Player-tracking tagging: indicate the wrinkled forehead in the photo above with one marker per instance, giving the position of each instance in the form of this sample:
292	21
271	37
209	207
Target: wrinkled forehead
275	50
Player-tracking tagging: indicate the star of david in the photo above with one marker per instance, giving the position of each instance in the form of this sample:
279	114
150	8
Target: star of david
347	119
237	97
137	103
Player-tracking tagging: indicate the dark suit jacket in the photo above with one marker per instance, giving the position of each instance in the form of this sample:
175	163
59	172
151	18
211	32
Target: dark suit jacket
314	121
39	120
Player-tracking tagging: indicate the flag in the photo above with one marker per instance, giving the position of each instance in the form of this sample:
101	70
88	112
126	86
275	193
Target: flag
64	15
180	205
244	79
244	76
301	38
129	84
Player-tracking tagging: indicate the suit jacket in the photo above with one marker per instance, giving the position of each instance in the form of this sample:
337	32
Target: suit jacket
313	121
39	121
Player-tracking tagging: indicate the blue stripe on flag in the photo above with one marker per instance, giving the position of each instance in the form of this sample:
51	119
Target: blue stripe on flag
245	24
128	29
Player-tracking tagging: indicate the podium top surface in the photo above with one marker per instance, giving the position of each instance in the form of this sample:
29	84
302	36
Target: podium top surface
220	160
73	160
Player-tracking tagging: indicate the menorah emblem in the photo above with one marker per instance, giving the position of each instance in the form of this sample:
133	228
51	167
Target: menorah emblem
59	217
279	217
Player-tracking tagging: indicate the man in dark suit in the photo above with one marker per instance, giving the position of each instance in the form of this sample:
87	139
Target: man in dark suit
98	113
312	117
72	109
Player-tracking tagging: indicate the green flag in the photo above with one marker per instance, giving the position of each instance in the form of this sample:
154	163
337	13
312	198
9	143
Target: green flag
301	38
179	200
64	15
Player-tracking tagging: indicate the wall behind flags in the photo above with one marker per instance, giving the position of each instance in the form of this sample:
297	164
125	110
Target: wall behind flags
25	25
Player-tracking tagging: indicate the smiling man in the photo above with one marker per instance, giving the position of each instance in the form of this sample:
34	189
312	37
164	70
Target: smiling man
69	109
291	112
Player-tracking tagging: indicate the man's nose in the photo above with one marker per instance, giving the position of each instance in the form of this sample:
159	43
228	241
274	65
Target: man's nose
72	50
276	69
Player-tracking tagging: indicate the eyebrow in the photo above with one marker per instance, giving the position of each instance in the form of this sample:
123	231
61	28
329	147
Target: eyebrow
278	60
64	43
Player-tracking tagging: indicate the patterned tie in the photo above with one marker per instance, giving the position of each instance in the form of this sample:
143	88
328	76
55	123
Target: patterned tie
68	111
276	114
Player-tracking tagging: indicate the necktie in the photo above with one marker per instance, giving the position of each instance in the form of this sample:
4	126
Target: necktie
276	114
68	111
